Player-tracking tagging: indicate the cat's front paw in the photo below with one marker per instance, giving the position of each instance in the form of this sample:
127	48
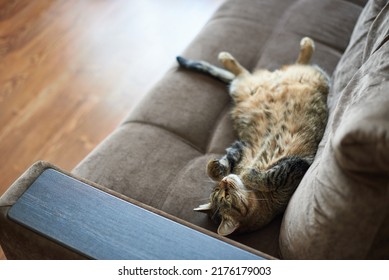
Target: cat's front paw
255	180
217	170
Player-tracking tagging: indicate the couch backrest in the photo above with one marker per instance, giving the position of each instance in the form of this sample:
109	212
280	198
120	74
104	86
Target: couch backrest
340	210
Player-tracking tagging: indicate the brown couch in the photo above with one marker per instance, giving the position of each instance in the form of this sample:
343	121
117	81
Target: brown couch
158	154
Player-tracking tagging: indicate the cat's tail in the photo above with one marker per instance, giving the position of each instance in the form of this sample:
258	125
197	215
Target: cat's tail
207	68
307	46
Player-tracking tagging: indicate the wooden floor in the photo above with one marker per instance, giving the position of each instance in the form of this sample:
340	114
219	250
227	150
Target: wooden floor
70	71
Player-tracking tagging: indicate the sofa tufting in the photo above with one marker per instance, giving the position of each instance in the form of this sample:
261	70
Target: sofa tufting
158	155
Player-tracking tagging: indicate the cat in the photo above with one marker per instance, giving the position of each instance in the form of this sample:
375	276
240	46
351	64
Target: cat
279	117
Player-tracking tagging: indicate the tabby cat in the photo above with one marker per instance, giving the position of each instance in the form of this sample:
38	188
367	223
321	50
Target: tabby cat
280	118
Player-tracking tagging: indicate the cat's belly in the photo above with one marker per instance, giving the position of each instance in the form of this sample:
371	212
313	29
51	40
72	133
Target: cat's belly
275	126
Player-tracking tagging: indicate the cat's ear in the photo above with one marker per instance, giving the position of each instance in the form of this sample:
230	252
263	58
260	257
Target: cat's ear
204	208
227	226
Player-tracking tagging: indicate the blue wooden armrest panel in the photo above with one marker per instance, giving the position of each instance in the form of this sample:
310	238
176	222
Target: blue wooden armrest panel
102	226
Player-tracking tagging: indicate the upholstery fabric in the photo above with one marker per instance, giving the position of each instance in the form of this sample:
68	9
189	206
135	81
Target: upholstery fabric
158	155
340	210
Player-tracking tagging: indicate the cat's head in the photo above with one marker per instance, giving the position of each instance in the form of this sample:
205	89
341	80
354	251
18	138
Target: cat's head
236	208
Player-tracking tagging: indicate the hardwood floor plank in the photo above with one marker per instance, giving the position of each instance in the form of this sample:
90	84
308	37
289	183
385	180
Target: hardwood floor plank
70	71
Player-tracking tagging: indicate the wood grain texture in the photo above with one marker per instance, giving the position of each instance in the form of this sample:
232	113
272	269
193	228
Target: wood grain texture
102	226
70	71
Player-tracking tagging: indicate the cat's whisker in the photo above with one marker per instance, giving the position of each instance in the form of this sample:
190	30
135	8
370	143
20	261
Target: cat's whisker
217	211
257	199
247	190
202	199
209	180
243	198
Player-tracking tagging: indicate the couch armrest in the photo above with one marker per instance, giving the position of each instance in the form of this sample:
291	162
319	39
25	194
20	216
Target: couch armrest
85	221
19	242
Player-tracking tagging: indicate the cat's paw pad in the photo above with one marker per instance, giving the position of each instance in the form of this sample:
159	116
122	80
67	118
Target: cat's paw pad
216	169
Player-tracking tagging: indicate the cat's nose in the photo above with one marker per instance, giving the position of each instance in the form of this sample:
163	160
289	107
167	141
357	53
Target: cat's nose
224	183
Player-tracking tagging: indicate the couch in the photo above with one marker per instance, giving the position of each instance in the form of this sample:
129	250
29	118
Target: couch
157	156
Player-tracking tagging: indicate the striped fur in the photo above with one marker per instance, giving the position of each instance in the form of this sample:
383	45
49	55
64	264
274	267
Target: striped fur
206	68
280	118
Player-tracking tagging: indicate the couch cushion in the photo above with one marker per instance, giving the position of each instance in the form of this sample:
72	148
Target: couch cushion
327	22
183	97
140	161
159	154
340	210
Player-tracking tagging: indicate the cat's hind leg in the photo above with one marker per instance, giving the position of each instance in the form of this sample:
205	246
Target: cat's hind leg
231	64
307	47
217	169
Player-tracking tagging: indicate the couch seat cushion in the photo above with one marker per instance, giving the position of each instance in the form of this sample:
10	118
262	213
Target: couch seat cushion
159	154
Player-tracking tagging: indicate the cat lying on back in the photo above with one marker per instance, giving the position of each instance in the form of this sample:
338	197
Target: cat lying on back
280	119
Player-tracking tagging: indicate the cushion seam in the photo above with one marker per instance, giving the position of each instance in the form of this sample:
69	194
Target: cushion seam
219	119
170	188
170	132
